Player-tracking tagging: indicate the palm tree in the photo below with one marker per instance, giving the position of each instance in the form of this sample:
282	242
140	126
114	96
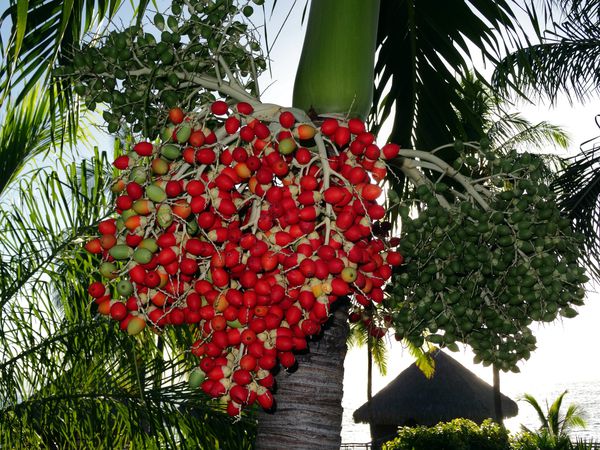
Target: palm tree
427	40
554	426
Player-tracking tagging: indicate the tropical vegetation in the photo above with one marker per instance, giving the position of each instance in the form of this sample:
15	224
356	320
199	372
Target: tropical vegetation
58	356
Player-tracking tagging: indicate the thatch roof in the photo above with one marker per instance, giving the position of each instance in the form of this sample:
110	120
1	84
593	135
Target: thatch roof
452	392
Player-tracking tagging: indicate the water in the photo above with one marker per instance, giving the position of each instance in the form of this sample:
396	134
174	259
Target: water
585	394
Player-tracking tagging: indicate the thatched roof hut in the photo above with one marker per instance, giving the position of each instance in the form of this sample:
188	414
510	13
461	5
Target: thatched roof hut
412	399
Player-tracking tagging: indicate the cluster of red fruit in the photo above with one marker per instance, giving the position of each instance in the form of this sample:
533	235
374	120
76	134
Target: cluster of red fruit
249	229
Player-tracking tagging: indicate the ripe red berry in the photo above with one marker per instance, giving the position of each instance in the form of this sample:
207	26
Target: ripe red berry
176	115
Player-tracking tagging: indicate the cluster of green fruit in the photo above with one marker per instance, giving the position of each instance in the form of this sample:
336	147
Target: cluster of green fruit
481	274
140	75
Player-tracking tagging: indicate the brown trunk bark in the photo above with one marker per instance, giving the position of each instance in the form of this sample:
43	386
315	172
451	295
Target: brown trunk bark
308	413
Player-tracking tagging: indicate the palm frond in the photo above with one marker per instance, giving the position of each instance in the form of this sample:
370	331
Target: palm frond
25	134
538	409
422	55
565	62
553	415
572	419
380	354
578	191
423	359
513	131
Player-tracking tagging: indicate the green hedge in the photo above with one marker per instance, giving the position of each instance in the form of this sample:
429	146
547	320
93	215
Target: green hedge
459	434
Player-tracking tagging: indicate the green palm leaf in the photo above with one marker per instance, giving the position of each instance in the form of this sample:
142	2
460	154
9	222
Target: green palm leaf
565	61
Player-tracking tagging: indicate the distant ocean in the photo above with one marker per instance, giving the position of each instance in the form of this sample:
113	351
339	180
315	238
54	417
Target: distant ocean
584	394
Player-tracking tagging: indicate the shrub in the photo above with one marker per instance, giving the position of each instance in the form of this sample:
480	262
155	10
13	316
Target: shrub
459	434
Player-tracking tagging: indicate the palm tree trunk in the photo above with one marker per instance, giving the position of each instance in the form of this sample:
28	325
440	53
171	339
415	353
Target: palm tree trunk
309	410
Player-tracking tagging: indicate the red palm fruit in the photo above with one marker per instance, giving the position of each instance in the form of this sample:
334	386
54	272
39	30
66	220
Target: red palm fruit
267	362
118	311
219	338
242	377
305	132
188	266
394	258
134	190
257	324
390	150
306	300
356	126
133	240
262	287
202	287
193	301
335	265
265	378
308	267
218	323
177	316
107	226
207	386
248	279
233	409
302	155
197	138
248	336
376	295
137	274
370	192
284	343
287	119
321	310
326	252
108	241
104	307
231	313
206	156
293	315
272	321
219	108
207	312
265	399
372	152
277	293
96	289
295	278
376	212
282	238
357	148
246	133
321	269
168	255
124	202
93	246
259	248
198	204
333	195
309	327
309	183
329	126
206	219
261	130
253	163
143	148
357	175
287	359
194	246
173	188
378	171
166	240
239	154
248	362
344	220
218	372
238	394
339	287
368	164
176	115
341	136
234	297
244	108
384	272
366	138
220	277
152	279
122	162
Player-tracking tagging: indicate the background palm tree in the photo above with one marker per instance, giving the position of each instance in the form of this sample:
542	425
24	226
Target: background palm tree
554	425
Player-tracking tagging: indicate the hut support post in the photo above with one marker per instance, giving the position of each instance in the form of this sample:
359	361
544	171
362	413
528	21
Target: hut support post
497	397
